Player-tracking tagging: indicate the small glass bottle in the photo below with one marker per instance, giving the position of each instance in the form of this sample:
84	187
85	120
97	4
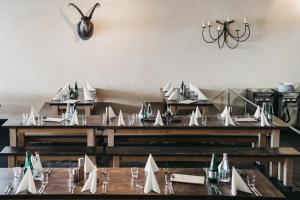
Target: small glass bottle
224	171
213	170
28	163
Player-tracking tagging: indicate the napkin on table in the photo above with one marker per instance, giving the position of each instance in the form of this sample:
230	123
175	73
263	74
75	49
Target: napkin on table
158	120
257	112
228	119
200	94
193	120
192	87
90	87
121	121
91	183
167	87
198	113
151	164
151	182
31	118
27	183
36	163
224	113
74	119
174	95
169	92
63	91
237	183
263	120
111	113
88	164
86	94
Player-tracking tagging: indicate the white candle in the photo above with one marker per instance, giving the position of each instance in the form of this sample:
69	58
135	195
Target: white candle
245	21
228	19
208	23
219	28
203	25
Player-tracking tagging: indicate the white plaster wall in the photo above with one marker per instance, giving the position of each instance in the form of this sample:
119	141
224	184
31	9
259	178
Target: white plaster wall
139	45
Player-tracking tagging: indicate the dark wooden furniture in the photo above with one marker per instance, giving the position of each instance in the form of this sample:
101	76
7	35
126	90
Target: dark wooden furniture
176	105
121	186
284	156
53	153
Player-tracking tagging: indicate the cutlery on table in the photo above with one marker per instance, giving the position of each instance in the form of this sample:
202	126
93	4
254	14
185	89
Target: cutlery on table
7	188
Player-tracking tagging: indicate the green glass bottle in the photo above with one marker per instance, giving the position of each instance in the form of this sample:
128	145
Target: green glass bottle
76	91
213	170
28	163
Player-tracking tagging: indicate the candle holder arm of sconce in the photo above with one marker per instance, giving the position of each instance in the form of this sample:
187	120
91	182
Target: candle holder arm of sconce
213	40
237	42
238	38
221	46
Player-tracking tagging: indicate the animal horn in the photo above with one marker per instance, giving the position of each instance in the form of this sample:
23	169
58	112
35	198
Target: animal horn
92	12
71	4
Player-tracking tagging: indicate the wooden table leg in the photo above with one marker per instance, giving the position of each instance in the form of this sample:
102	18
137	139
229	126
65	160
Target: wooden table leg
262	140
21	139
91	140
274	142
11	160
288	172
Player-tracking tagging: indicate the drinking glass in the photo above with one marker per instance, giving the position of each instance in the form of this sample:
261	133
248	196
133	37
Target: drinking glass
139	185
134	172
167	178
40	120
131	120
192	95
251	180
44	177
24	118
17	172
204	120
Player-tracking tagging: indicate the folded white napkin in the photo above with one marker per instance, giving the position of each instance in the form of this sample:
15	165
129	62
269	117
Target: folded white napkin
174	95
158	120
69	110
140	115
237	183
263	120
121	121
200	94
31	118
74	119
111	113
170	91
27	183
90	87
88	165
151	182
86	94
229	120
193	120
198	113
91	183
63	91
167	87
257	112
151	164
36	163
224	113
192	87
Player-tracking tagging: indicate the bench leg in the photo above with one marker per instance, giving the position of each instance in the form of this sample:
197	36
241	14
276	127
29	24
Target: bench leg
288	172
116	161
274	142
262	140
91	138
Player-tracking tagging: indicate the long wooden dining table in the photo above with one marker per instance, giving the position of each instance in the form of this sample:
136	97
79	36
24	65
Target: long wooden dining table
122	186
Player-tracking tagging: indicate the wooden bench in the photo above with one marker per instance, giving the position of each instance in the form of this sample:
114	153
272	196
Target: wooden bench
283	156
17	154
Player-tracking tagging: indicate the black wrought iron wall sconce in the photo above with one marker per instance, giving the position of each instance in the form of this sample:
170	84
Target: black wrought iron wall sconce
224	35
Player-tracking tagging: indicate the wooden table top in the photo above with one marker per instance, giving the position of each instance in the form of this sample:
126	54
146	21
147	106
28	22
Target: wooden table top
180	122
121	186
178	103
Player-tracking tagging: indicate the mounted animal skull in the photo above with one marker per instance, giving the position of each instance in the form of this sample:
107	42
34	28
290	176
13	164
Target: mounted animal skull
85	27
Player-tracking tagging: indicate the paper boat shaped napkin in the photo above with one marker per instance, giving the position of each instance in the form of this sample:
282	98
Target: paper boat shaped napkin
201	96
88	165
36	163
263	120
87	95
224	113
192	87
229	120
111	113
90	87
27	183
31	118
91	183
257	112
151	164
237	183
61	92
174	95
158	120
140	115
198	113
121	121
193	120
167	87
169	92
151	182
74	119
